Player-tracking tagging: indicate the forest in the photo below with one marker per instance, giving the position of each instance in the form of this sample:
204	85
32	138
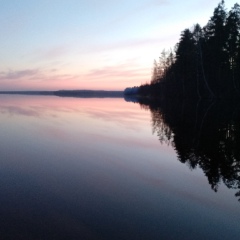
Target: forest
205	63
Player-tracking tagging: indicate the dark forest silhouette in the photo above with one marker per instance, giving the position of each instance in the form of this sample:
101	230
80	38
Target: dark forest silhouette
205	134
205	62
193	97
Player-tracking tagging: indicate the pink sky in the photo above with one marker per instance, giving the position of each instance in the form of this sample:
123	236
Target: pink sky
52	45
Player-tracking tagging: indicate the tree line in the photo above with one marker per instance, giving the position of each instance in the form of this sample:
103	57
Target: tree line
205	63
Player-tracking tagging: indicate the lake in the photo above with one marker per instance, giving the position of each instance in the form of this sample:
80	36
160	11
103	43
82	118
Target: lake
103	168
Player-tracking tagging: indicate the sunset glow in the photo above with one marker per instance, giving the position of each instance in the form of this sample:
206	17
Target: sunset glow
75	44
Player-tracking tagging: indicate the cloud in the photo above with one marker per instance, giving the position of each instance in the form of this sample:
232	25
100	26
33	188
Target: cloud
122	71
110	76
127	44
137	11
54	52
13	75
34	74
38	79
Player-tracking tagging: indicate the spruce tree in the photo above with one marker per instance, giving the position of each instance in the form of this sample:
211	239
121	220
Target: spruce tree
214	54
232	45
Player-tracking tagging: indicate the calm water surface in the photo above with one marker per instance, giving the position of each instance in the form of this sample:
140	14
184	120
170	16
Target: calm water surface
73	168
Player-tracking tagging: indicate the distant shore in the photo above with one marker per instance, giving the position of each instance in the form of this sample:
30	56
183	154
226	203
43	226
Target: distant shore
71	93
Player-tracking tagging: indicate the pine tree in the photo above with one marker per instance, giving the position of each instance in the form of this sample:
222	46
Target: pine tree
155	73
214	54
232	44
203	87
185	67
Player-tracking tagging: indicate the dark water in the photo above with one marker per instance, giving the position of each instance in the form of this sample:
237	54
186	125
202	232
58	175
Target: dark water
74	168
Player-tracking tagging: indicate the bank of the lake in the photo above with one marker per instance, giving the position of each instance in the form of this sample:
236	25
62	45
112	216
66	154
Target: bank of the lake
70	93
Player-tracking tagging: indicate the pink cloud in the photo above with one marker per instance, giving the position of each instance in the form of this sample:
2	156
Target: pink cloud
12	75
116	77
35	78
111	77
115	72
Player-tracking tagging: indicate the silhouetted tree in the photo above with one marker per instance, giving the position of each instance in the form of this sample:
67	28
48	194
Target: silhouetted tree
205	63
156	74
232	44
215	55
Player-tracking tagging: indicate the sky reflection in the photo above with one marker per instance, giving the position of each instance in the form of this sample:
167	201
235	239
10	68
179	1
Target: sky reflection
72	166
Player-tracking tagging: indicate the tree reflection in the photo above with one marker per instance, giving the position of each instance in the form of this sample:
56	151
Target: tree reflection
204	134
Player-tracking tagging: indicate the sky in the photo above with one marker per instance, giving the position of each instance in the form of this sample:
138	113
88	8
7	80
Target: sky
90	44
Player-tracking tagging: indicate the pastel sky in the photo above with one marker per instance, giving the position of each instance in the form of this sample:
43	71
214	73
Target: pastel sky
90	44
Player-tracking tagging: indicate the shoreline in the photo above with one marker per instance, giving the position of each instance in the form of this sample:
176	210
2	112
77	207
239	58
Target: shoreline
70	93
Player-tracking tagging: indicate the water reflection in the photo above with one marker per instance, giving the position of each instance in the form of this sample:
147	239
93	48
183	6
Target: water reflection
75	168
205	134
